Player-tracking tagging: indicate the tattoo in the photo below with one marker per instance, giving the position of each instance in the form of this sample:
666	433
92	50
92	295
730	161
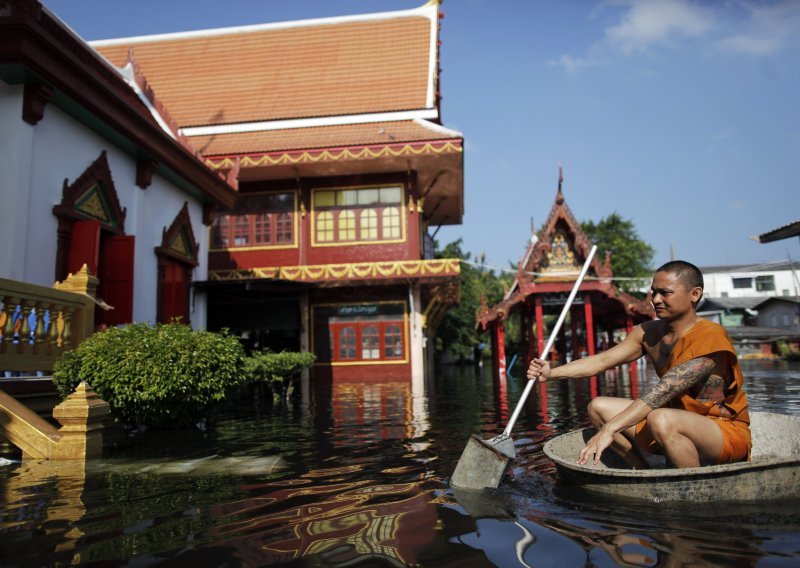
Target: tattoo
677	380
713	390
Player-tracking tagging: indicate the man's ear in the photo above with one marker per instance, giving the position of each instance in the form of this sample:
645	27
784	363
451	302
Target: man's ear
696	293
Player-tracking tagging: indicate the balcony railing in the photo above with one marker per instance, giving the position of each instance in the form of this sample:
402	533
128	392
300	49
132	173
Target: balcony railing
37	324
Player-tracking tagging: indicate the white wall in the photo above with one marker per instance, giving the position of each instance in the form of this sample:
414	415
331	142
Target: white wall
720	284
16	142
36	160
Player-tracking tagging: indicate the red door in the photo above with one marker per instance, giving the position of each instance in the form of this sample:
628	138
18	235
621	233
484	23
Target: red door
116	280
175	293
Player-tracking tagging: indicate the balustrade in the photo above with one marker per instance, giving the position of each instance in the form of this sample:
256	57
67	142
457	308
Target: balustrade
37	324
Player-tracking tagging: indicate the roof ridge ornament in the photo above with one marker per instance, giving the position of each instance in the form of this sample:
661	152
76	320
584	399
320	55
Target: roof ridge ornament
560	194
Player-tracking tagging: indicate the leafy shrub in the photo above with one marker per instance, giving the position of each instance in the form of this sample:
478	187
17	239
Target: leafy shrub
277	370
160	376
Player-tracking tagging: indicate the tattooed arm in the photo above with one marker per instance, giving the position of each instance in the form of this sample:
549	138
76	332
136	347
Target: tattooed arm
681	378
676	381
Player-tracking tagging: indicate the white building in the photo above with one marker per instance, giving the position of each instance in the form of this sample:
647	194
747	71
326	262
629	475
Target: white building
92	174
752	281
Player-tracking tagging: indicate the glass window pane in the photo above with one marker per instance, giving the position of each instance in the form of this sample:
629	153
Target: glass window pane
367	196
391	223
391	195
262	228
347	226
324	198
284	228
347	197
370	343
393	342
347	343
369	225
325	227
241	231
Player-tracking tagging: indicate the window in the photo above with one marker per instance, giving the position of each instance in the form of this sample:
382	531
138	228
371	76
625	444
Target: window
284	228
742	282
347	226
360	333
241	231
325	227
260	220
393	342
347	343
370	343
391	223
358	215
765	283
369	225
262	229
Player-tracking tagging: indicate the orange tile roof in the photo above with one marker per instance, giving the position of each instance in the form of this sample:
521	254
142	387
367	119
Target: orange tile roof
339	67
318	137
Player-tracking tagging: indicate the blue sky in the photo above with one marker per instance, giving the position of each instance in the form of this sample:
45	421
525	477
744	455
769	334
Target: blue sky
681	116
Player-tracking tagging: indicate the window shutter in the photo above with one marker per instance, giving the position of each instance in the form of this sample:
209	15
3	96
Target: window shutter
84	246
116	280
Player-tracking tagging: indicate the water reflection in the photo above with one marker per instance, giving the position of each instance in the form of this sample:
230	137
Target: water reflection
363	481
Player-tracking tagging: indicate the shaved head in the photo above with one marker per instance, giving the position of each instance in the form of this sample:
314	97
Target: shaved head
688	274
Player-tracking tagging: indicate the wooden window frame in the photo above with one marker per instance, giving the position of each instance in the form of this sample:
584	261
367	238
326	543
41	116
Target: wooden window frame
355	227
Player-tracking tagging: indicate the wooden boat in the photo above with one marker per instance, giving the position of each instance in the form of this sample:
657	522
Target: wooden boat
772	473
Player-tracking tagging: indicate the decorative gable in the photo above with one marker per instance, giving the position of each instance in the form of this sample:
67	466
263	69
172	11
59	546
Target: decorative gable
178	240
93	196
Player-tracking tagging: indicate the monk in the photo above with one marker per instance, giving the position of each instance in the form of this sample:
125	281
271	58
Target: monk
697	413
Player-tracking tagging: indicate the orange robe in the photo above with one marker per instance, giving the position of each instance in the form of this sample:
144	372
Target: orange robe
729	406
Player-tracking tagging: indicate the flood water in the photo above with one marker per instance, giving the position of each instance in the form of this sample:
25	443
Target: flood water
361	479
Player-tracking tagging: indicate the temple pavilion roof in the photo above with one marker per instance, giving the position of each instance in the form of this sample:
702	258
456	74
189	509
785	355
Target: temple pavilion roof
331	96
373	63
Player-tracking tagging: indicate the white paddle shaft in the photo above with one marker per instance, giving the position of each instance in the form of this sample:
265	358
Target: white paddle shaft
551	340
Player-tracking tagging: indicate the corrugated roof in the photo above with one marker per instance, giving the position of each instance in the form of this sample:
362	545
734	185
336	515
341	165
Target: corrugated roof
764	267
337	67
785	232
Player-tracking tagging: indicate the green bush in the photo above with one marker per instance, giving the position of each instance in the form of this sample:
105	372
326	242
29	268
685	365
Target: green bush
163	376
277	370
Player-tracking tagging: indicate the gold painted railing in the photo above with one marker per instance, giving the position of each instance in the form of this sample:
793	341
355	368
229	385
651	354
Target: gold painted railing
37	324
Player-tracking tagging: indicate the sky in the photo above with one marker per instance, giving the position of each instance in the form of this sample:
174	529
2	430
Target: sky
678	115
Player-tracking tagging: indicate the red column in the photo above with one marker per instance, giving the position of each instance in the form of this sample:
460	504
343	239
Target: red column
499	350
539	326
587	309
573	325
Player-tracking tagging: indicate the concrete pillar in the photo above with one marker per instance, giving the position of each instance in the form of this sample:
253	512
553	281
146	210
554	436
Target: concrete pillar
417	350
499	350
539	326
589	315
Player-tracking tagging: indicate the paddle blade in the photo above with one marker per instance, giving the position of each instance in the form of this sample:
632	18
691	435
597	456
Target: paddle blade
483	463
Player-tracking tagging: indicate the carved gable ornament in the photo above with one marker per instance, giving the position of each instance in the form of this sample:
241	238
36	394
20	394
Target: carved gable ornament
560	257
178	240
93	196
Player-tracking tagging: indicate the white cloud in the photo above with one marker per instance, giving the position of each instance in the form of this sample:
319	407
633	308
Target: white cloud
650	22
642	25
767	29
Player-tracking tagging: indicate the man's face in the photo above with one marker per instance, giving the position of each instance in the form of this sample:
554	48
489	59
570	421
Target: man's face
671	298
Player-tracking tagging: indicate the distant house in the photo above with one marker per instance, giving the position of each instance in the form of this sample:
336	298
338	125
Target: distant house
780	312
748	280
729	312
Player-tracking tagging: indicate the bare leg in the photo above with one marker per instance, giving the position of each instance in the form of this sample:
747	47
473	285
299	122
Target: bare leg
688	439
604	408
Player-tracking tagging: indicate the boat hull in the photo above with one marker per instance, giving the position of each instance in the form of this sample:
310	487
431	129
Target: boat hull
772	473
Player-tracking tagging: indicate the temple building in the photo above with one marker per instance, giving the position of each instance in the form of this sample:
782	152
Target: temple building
331	131
94	176
543	282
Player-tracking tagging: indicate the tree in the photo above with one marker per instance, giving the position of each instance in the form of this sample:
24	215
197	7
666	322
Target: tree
631	257
457	332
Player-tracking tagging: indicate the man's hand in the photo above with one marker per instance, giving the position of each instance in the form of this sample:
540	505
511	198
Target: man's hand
539	369
595	447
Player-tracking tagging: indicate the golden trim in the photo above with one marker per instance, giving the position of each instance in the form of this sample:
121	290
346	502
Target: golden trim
328	272
287	158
